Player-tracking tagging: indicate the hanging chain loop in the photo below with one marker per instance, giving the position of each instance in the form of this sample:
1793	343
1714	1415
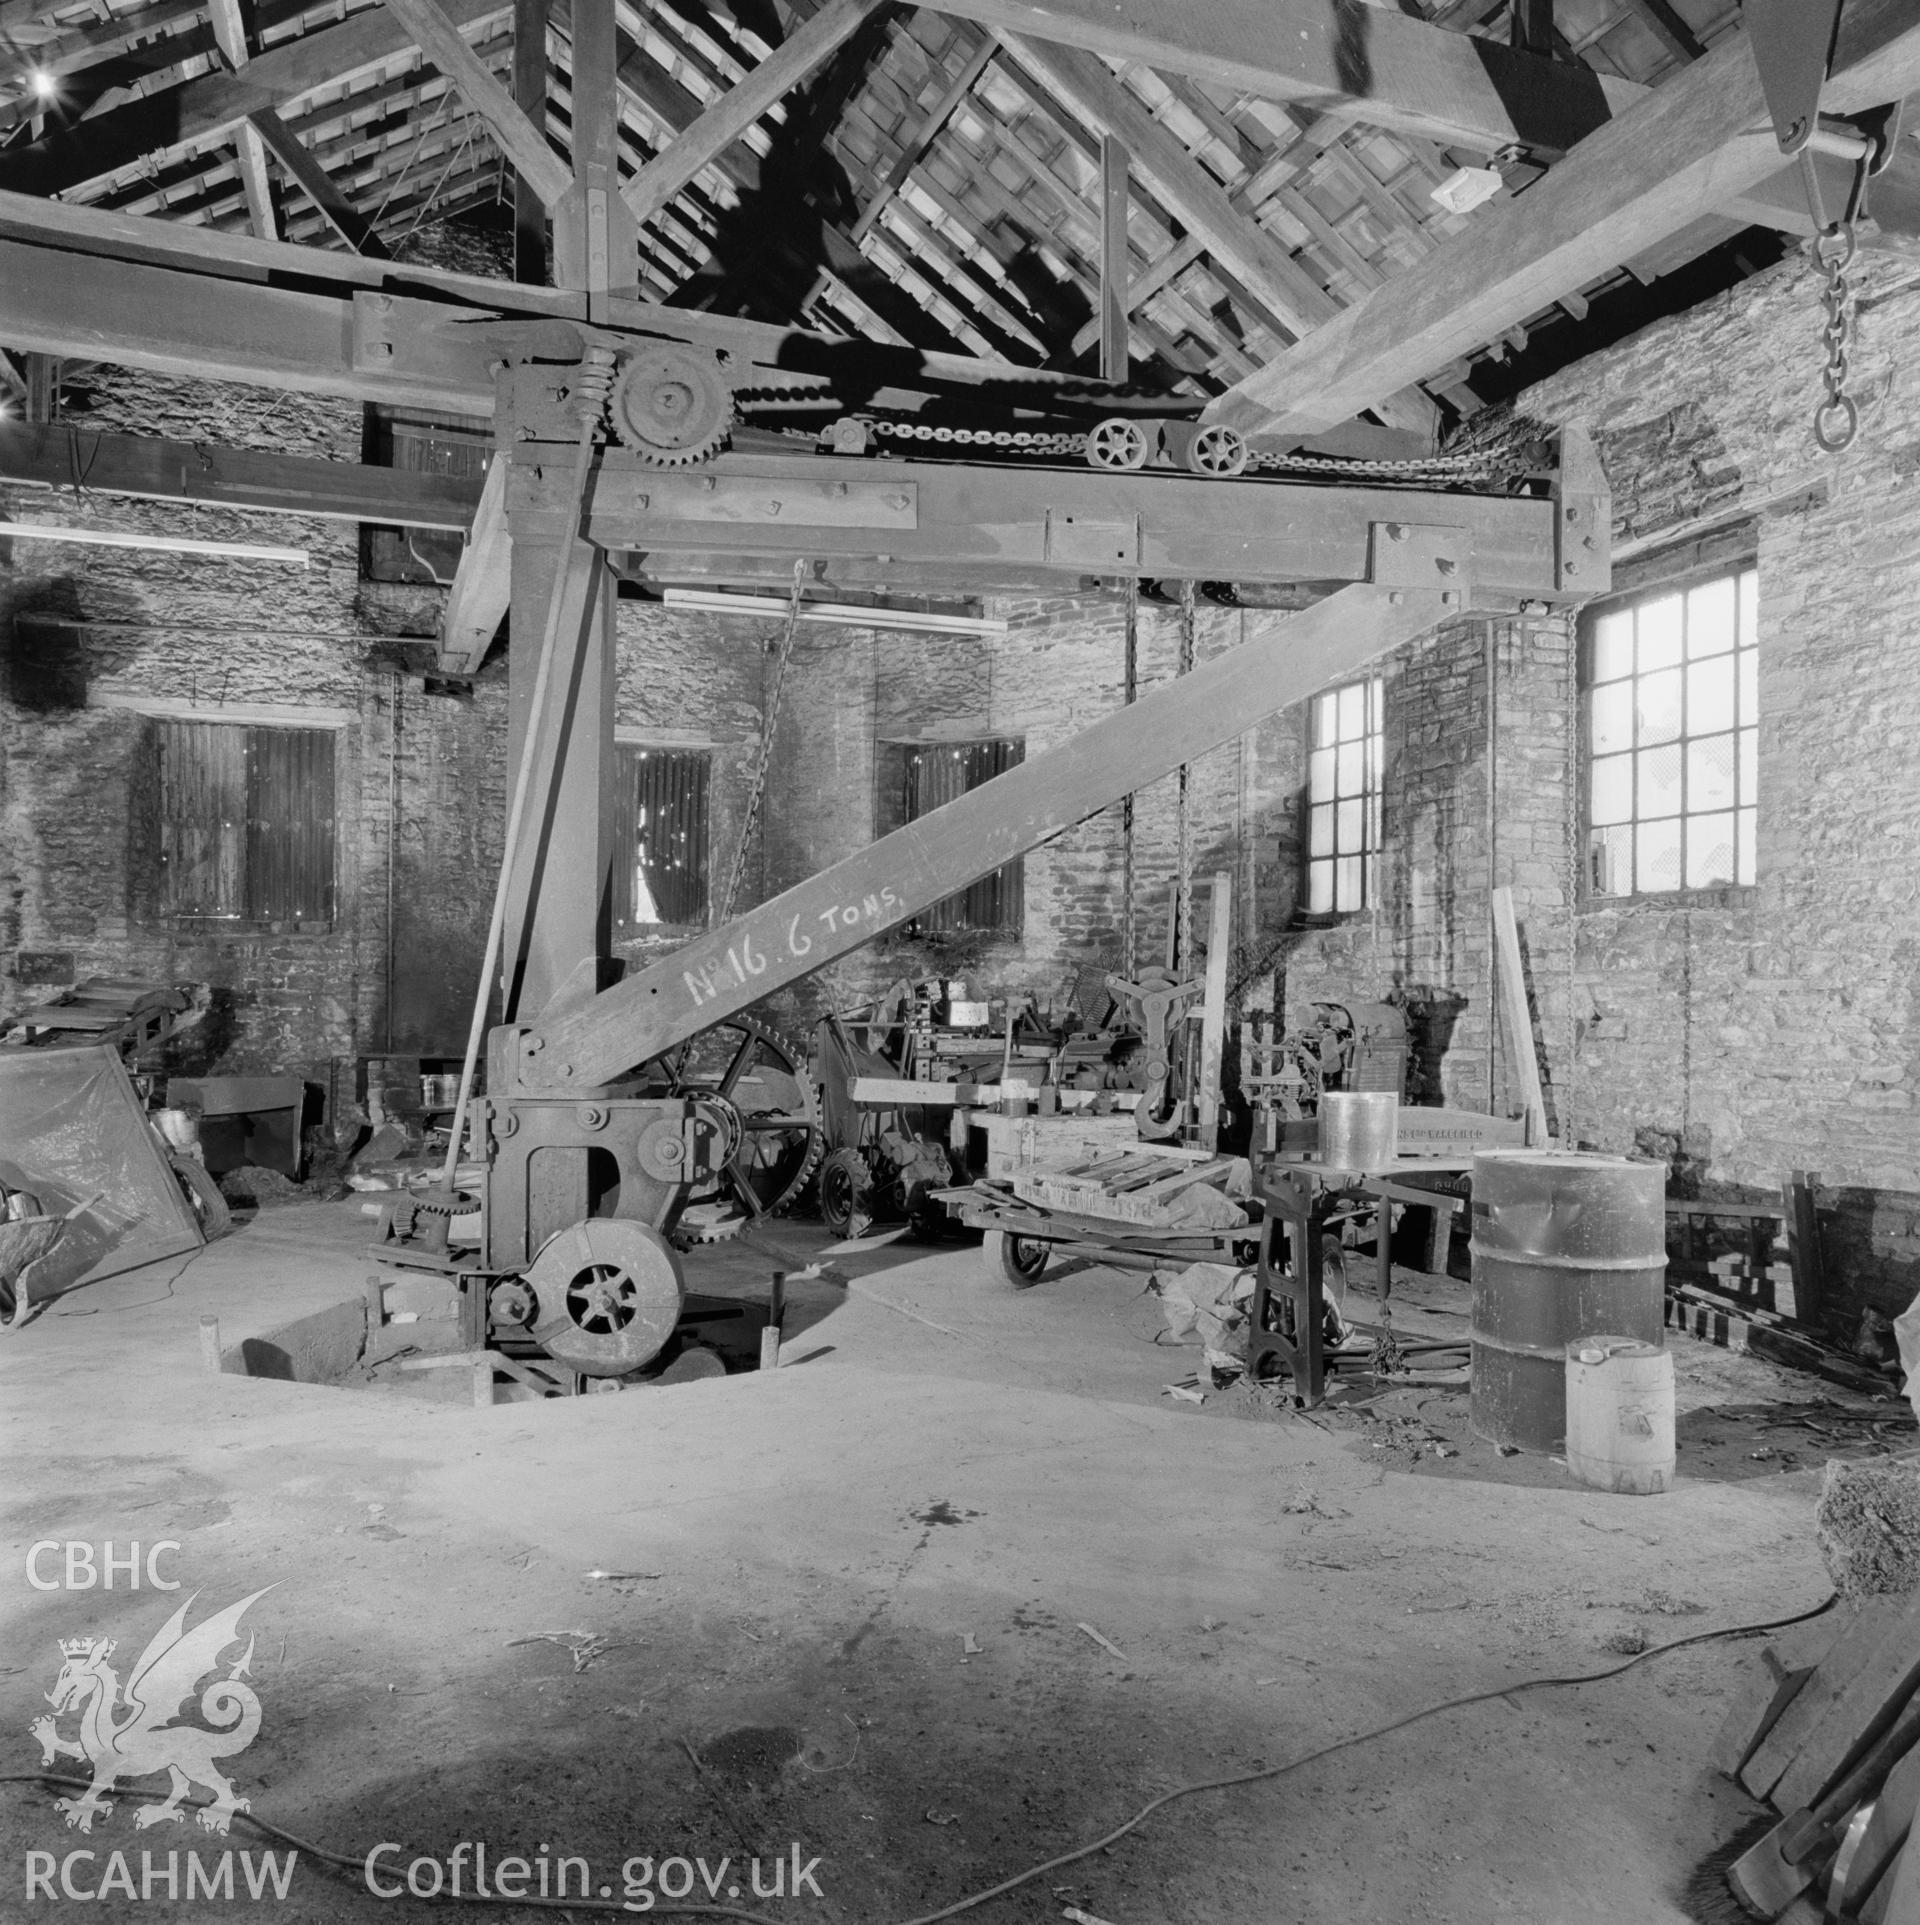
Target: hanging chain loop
1837	418
750	819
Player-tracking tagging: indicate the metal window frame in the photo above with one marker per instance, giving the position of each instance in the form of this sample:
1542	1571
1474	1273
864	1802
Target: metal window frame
1374	790
1655	582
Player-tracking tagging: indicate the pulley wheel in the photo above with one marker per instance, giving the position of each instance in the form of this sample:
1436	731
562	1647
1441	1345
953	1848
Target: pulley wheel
1118	443
607	1295
1218	450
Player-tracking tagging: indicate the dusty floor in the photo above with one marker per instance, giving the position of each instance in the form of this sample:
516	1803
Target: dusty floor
853	1605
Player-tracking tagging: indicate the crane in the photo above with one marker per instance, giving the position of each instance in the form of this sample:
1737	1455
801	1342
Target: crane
594	1131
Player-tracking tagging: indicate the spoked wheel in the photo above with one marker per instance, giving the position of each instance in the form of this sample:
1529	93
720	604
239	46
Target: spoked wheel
1118	443
1020	1260
607	1295
1218	450
754	1069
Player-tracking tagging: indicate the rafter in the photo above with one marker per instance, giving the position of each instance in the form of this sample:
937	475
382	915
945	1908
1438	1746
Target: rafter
800	55
432	29
213	104
1365	64
1701	139
343	217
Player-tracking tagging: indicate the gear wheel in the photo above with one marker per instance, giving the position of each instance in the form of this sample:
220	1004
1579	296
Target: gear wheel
672	406
753	1068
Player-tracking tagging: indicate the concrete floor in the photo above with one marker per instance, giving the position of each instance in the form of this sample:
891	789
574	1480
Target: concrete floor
852	1620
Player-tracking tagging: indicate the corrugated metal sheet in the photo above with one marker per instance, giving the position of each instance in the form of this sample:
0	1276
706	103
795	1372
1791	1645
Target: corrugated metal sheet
661	816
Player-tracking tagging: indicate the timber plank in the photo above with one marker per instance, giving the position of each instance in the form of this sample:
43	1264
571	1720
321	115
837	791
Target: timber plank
1858	1714
1854	1650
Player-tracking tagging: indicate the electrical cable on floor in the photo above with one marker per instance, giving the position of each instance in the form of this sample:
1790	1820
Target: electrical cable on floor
967	1904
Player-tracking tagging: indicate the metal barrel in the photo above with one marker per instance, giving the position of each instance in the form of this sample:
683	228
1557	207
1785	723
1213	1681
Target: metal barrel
1359	1129
1564	1246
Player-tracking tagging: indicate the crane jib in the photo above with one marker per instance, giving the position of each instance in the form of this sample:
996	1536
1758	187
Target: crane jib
849	904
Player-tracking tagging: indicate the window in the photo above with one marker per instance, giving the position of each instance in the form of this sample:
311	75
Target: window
660	837
424	443
1344	759
918	777
245	822
1672	685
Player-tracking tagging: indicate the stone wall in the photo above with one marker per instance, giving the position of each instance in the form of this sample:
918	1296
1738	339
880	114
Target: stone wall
1778	1027
421	781
1739	1033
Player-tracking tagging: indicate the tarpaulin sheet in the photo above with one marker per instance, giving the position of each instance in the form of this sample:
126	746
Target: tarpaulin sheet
71	1125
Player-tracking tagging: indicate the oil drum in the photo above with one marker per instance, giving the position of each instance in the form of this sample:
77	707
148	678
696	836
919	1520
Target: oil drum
1564	1246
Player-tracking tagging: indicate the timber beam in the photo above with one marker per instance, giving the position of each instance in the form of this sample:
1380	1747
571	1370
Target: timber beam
1702	140
1070	522
1370	65
60	456
99	286
576	1046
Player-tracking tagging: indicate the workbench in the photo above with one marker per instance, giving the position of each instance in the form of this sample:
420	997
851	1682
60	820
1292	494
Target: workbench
1300	1202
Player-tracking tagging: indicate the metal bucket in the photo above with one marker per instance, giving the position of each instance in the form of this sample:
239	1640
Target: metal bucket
1359	1129
1563	1247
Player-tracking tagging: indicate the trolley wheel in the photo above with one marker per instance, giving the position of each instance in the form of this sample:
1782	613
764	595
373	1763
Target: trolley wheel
1118	443
203	1197
1218	450
1019	1260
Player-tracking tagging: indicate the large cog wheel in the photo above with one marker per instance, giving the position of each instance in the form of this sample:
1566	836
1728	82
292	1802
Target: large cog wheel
672	405
742	1062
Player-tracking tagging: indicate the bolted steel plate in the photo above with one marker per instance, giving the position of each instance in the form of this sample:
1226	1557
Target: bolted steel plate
607	1295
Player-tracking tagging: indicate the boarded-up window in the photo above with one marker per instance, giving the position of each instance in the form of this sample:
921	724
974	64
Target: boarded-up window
660	837
427	444
245	820
918	777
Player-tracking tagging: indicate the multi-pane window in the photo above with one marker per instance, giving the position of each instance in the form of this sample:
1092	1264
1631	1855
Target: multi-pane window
1344	759
245	817
918	777
660	836
1672	702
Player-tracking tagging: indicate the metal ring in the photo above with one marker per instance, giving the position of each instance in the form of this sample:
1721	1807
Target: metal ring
1849	246
1843	406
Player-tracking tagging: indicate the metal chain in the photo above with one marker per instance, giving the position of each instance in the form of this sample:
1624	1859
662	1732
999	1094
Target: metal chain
1484	463
1183	926
757	787
1837	419
1129	883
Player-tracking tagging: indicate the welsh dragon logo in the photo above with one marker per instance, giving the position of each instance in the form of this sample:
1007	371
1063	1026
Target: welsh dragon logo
129	1732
